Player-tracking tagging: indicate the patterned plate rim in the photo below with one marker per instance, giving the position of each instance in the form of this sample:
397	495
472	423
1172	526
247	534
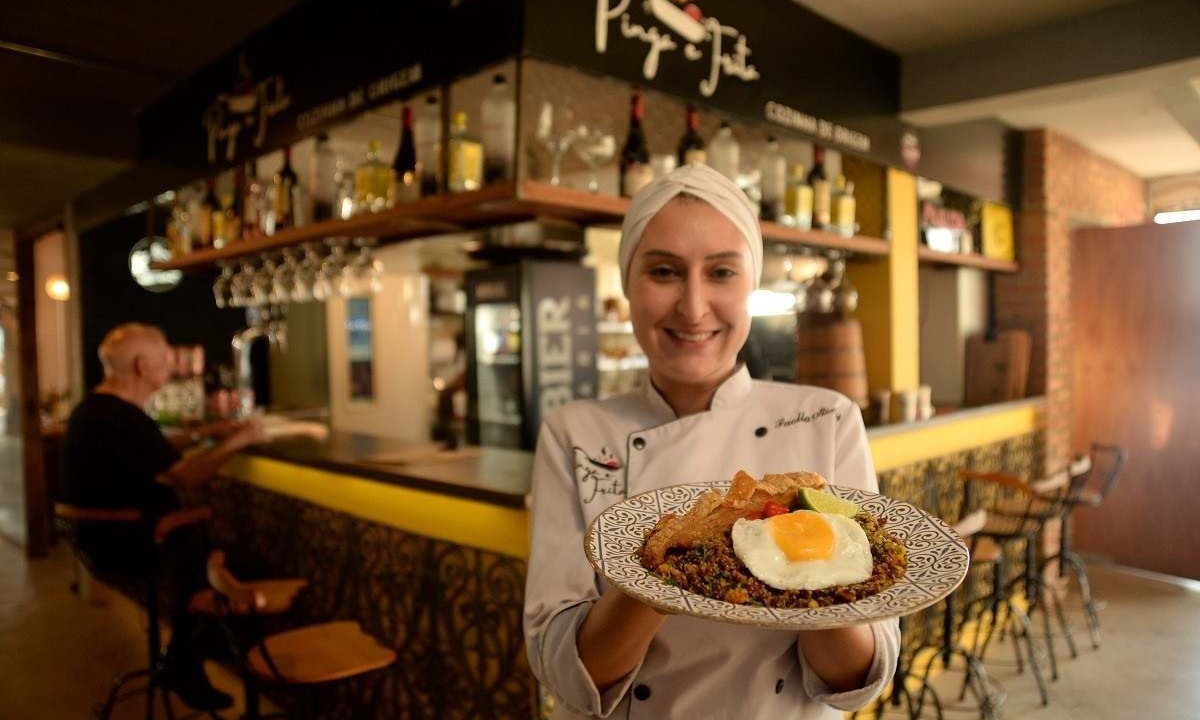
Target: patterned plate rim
906	597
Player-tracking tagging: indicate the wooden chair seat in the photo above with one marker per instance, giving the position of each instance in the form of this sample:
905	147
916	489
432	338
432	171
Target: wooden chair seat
320	653
272	597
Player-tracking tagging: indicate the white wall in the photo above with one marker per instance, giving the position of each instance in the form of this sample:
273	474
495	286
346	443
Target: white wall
403	391
953	307
54	366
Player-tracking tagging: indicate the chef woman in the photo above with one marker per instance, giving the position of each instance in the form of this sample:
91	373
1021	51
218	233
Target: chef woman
690	255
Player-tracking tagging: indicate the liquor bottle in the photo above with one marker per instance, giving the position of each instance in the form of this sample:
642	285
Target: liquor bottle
844	207
773	170
281	215
428	133
405	183
372	182
636	171
204	218
691	145
465	155
822	210
321	184
798	206
232	221
724	153
498	117
254	204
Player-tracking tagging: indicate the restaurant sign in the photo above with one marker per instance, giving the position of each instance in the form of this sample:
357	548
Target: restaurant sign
816	78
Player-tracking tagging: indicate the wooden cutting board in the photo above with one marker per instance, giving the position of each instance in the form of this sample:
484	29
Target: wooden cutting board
997	370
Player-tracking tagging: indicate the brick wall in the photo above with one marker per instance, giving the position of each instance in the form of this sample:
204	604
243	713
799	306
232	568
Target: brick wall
1064	186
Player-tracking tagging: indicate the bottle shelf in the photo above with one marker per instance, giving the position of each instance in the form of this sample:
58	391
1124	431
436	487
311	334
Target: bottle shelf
632	362
496	204
981	262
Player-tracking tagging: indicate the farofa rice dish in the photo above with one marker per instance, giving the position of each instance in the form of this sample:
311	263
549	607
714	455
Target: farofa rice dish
711	568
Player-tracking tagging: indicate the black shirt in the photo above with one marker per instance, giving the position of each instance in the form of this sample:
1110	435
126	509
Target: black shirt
112	453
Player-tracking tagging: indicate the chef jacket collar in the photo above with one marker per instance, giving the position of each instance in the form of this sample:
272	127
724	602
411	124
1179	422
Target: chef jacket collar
731	392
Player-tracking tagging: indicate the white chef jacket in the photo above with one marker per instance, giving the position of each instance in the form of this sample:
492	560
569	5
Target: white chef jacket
592	454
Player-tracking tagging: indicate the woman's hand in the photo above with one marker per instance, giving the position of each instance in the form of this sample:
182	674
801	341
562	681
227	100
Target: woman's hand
615	636
841	657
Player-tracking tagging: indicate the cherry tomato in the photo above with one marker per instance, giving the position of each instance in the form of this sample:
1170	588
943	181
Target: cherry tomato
755	516
772	508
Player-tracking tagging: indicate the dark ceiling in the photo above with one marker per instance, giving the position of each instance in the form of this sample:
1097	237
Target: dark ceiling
74	75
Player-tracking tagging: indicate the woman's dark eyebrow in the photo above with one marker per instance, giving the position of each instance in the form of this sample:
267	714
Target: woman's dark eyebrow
727	255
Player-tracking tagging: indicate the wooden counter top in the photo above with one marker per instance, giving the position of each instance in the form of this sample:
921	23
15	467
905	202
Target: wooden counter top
485	474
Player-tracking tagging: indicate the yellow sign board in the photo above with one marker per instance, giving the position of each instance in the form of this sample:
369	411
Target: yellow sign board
997	230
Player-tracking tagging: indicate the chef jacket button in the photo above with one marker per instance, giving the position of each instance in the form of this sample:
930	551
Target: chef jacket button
642	692
638	444
779	686
760	432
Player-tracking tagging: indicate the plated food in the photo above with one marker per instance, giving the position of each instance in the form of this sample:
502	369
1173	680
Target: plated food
780	542
937	559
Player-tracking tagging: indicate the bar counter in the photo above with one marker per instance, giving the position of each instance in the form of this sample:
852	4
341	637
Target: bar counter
427	547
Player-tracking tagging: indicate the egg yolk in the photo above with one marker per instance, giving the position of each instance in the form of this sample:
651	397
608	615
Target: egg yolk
803	535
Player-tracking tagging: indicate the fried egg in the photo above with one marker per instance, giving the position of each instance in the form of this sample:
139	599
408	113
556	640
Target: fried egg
803	550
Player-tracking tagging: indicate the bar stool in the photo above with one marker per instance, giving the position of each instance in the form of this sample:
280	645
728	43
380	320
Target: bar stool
1088	488
1013	523
73	516
307	656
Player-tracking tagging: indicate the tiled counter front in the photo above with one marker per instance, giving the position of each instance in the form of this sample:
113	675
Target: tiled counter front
451	612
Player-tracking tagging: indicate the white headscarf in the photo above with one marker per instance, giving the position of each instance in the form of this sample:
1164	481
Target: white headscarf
703	182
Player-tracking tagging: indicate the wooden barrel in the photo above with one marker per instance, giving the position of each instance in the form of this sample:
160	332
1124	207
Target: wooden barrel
829	353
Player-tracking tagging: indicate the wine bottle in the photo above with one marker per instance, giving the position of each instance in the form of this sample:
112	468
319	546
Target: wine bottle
821	190
498	120
405	183
724	153
773	170
254	211
636	171
321	184
691	145
798	206
466	157
281	214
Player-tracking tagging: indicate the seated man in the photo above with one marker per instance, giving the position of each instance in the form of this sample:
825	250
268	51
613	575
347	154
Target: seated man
115	456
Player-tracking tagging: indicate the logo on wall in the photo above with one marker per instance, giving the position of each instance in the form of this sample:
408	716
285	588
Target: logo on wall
671	23
249	107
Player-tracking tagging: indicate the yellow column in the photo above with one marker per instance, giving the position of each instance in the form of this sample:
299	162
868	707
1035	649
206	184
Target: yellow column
888	291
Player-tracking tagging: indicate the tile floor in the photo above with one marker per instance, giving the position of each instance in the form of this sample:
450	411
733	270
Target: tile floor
58	654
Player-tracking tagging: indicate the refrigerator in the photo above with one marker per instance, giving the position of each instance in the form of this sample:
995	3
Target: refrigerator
531	347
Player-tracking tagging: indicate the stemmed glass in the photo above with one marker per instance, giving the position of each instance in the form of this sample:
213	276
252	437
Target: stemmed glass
556	132
328	281
364	274
595	146
283	282
240	286
262	289
223	286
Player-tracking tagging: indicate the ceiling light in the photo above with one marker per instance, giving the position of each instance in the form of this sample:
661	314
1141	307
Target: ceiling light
57	288
1174	216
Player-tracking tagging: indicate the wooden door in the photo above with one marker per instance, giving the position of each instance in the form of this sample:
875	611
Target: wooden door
1135	325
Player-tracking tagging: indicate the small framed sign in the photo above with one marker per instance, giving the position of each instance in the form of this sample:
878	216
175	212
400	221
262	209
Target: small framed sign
997	231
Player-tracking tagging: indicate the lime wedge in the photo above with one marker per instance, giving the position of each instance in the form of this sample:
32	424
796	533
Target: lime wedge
810	499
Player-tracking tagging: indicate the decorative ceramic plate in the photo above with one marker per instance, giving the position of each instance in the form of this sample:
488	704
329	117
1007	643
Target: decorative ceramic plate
937	562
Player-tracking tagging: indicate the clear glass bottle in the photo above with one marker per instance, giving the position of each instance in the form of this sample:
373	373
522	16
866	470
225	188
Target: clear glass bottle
253	204
724	152
282	212
466	157
798	203
372	181
498	125
844	207
428	135
321	183
773	170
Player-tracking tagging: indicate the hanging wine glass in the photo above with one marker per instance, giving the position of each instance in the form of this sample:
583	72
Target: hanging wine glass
261	290
595	146
240	294
364	274
556	132
223	286
328	281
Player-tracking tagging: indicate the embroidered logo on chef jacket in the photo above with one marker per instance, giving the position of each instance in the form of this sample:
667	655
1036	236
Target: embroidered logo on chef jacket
598	475
804	416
